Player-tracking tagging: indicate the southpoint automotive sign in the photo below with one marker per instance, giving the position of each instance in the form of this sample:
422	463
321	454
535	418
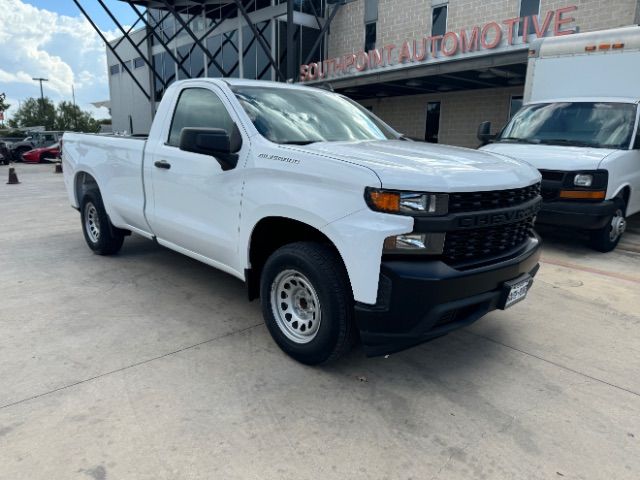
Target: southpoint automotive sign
490	36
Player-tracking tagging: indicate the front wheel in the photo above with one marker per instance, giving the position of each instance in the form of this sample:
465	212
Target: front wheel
101	236
307	302
607	238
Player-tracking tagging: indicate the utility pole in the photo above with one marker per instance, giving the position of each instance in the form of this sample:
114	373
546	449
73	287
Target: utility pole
41	95
75	108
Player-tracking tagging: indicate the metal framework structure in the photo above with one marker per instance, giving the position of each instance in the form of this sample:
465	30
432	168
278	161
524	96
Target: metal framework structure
185	12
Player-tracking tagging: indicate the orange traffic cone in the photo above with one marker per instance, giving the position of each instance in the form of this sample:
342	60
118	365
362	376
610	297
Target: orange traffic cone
58	167
13	176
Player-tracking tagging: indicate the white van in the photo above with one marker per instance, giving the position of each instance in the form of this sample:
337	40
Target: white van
579	127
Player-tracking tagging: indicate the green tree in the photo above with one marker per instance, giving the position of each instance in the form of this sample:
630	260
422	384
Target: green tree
34	112
71	117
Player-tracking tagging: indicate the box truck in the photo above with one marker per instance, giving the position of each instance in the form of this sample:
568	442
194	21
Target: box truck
579	128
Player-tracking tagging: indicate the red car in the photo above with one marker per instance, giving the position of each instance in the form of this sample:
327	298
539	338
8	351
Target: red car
38	155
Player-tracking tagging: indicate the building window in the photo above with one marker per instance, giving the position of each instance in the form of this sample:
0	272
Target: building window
369	36
515	105
433	122
439	20
126	64
138	62
114	69
527	9
370	24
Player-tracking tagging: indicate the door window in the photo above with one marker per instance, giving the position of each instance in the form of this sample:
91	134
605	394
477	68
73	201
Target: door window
198	107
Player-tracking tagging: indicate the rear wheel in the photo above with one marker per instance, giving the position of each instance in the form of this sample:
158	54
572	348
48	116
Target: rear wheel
101	236
307	302
607	238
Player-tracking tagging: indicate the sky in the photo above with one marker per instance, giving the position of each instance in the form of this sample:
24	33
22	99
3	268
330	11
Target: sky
52	39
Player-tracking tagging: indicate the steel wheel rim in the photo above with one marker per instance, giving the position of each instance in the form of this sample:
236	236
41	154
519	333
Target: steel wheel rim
296	307
91	222
618	225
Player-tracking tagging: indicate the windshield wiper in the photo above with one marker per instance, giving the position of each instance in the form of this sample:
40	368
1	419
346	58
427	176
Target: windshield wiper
564	141
517	140
299	142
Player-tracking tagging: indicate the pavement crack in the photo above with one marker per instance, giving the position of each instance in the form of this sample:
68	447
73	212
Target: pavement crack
555	364
133	365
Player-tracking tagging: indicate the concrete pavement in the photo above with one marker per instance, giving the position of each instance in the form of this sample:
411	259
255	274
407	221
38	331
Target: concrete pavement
150	365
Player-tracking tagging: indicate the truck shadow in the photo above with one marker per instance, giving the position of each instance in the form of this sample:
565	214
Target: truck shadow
576	243
452	358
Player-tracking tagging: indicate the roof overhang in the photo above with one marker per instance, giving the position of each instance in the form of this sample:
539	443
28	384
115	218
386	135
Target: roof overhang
504	69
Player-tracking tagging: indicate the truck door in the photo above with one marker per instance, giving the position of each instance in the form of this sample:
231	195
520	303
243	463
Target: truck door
195	205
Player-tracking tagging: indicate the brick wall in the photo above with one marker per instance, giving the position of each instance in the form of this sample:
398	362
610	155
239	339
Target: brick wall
597	14
460	113
407	19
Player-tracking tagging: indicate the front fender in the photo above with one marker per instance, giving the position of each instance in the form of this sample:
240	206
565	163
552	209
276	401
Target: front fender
359	238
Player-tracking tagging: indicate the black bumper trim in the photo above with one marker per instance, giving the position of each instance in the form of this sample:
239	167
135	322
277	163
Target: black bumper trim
582	215
428	299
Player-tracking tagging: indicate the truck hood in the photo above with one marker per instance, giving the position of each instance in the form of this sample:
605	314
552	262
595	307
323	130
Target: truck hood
406	165
552	157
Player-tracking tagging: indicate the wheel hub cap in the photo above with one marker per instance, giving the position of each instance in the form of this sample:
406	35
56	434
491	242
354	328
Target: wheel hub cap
618	225
295	305
92	223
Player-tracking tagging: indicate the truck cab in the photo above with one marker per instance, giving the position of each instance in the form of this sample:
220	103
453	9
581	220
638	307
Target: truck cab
579	128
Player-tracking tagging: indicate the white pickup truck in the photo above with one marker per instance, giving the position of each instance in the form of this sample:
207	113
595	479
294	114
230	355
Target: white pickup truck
579	127
342	227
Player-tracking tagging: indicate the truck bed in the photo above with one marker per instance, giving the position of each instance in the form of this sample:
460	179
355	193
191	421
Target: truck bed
117	161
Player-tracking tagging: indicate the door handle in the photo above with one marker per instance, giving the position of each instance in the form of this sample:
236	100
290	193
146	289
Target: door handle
163	164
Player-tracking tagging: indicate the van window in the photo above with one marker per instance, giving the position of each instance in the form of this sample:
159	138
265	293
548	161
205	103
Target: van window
198	107
580	124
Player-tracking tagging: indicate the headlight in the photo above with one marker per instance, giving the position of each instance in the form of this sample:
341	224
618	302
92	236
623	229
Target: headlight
407	203
411	243
583	180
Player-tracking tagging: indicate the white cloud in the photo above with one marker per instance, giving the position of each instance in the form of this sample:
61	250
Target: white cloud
66	50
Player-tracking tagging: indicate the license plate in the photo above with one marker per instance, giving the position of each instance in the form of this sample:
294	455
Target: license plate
516	291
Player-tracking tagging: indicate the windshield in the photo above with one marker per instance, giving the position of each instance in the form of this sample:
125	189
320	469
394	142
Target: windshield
583	124
287	115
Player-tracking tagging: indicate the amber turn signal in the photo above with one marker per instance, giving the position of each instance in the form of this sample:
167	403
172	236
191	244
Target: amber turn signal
385	201
582	195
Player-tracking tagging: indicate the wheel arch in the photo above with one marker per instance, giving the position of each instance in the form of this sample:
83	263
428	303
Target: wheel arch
623	191
271	233
83	182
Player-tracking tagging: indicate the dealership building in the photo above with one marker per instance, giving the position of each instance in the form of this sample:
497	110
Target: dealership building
432	69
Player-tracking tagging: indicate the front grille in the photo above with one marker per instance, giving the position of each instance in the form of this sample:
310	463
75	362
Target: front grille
476	201
549	194
461	246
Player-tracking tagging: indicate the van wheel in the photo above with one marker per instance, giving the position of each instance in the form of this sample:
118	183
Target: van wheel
607	238
101	236
307	302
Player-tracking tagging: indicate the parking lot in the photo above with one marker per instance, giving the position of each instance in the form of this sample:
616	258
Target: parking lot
151	365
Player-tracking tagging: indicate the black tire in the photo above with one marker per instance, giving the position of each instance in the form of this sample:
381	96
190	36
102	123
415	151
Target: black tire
320	265
18	154
606	239
108	239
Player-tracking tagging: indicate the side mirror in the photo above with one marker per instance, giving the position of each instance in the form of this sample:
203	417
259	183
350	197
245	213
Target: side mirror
636	144
484	133
213	141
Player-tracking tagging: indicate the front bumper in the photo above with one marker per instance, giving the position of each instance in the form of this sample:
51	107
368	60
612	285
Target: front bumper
583	215
422	300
